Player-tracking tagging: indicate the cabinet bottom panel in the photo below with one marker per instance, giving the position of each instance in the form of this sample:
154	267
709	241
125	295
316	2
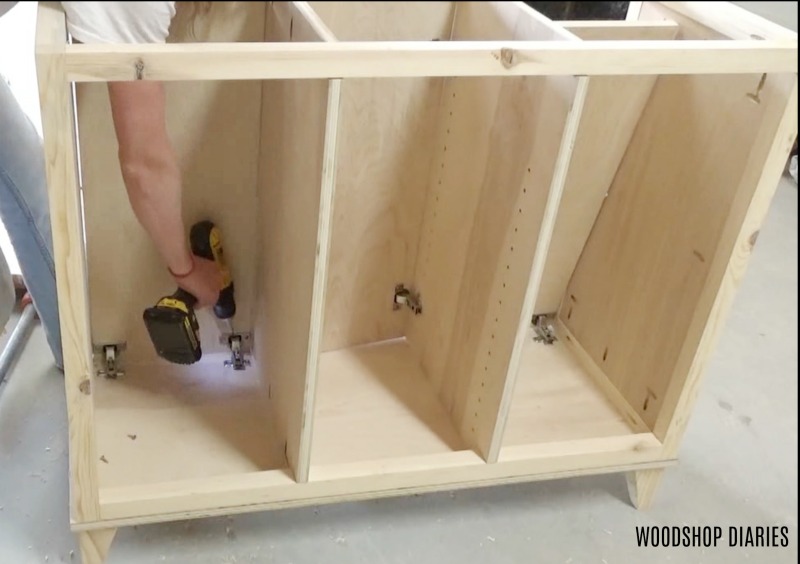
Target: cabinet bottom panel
245	493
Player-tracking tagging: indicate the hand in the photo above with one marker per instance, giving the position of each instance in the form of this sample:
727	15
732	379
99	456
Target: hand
204	282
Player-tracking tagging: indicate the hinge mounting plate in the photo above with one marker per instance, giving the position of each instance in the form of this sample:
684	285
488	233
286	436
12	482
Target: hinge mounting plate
108	360
240	345
407	297
544	330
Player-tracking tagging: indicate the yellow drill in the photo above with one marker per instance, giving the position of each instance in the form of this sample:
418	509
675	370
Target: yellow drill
172	323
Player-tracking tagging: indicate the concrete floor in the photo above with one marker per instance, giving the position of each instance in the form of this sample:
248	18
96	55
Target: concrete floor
738	467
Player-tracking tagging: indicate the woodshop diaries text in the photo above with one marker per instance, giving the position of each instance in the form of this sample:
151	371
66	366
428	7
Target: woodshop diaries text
707	536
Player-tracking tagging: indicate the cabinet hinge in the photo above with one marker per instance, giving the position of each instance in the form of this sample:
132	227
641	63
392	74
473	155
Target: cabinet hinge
108	360
544	330
406	297
240	345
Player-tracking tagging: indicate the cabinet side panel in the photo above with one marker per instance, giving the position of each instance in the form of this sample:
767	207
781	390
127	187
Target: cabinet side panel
69	256
727	274
298	128
689	174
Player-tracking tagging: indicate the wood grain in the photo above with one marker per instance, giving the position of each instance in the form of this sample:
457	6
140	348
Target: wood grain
611	112
162	424
380	479
730	20
690	170
643	485
57	104
771	149
374	403
484	210
461	153
95	545
299	135
623	30
383	159
456	165
557	399
388	21
397	59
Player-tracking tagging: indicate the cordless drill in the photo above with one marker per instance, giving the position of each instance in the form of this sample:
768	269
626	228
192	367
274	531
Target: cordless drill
172	323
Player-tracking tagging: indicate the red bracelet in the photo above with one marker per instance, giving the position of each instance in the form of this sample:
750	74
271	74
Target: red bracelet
182	275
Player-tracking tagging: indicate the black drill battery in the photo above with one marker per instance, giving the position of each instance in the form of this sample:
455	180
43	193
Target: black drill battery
172	323
173	328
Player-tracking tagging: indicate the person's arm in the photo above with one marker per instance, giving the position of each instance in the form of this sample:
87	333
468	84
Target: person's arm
153	181
149	165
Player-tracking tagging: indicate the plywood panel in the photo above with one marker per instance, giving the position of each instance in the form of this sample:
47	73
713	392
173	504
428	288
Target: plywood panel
167	424
646	264
386	21
555	399
461	153
591	30
215	130
498	145
689	28
374	403
385	150
611	112
459	160
299	133
766	166
525	142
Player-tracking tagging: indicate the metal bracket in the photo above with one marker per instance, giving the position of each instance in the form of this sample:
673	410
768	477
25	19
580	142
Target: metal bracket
240	345
110	360
405	297
545	333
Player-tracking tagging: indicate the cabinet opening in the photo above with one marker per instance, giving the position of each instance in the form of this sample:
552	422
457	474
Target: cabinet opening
630	315
439	193
558	399
161	422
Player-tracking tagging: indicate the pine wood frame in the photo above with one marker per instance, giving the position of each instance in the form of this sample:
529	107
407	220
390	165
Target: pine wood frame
603	89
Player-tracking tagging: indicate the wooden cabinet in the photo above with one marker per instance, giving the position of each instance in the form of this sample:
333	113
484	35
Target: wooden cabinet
471	246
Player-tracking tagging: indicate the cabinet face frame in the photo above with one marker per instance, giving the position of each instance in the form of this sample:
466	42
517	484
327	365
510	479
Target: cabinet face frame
747	45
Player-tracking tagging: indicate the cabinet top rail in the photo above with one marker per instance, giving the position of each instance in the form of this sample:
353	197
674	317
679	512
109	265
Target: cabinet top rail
388	59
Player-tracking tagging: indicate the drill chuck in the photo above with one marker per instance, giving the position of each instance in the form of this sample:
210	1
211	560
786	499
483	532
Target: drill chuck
206	242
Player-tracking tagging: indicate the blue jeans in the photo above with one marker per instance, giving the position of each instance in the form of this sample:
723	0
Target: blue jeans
25	212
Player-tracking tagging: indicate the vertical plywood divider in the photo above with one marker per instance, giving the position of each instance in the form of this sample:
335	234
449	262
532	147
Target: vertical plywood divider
492	190
299	131
613	107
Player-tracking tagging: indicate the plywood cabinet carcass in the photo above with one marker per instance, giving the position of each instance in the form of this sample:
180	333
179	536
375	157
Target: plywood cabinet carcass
471	246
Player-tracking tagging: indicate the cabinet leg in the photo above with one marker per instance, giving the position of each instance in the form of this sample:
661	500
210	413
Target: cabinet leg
642	486
95	545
